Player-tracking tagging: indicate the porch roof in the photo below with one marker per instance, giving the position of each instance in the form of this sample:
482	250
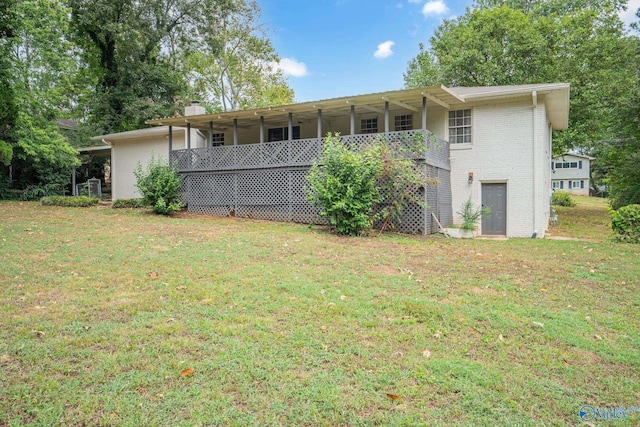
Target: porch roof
410	99
556	95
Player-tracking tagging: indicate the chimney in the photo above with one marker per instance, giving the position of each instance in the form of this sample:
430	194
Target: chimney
194	109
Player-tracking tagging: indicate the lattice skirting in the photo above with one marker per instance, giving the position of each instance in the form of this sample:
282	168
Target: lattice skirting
279	195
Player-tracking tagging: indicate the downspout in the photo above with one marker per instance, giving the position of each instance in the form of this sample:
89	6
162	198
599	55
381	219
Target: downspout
534	96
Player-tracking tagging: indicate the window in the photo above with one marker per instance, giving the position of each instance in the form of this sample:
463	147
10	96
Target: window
403	122
577	184
282	134
556	185
369	125
460	126
566	165
217	139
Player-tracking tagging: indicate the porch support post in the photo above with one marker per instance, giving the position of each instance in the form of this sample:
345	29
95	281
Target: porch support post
290	124
319	123
353	120
386	117
235	131
170	143
73	182
210	133
261	129
189	136
424	113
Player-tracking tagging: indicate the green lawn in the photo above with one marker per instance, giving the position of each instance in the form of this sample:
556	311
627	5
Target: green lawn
102	309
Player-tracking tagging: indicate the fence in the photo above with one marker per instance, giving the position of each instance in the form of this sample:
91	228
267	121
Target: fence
267	181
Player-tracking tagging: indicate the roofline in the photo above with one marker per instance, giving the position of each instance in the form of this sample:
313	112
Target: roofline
309	105
132	134
574	155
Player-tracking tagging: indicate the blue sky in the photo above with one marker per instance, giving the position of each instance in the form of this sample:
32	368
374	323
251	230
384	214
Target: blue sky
328	47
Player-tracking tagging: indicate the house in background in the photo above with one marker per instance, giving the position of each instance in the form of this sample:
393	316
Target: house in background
570	173
490	144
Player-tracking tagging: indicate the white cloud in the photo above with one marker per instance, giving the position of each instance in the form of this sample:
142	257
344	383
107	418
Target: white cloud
292	67
415	1
628	16
384	50
434	7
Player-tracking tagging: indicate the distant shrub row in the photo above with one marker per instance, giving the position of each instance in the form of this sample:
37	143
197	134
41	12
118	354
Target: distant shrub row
626	223
69	201
128	203
561	198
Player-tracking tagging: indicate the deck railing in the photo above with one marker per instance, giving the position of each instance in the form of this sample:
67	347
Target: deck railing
303	152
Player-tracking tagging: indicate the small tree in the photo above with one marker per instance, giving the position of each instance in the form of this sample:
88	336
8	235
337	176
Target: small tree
471	214
343	186
159	185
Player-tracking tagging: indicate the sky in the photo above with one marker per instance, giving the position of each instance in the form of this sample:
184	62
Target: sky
334	48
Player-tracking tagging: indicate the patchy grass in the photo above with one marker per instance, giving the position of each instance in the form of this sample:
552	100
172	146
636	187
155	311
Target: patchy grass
588	220
102	309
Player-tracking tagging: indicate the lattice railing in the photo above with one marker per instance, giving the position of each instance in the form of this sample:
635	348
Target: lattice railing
268	181
303	152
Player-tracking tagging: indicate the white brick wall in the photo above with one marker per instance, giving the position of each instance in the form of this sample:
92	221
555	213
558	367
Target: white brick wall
502	150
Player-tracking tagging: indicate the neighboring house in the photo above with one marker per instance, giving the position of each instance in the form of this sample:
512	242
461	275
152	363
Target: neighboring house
492	144
570	173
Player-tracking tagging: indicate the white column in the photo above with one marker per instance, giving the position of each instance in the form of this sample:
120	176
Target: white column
353	120
319	123
424	113
386	117
290	126
235	131
188	135
261	129
210	133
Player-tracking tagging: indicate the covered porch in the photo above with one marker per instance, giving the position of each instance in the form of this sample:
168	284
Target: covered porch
253	163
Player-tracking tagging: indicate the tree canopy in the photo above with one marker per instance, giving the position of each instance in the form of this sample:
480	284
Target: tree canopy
113	64
581	42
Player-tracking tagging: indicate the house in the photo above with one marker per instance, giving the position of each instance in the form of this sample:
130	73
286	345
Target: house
571	173
490	144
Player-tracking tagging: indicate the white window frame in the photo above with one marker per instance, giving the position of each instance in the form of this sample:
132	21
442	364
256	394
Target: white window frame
555	185
369	125
460	122
403	122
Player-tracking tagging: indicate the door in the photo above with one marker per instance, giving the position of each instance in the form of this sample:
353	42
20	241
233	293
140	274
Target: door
494	196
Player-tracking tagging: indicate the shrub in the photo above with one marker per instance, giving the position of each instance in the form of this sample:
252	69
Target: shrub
626	223
343	186
128	203
37	192
160	186
470	215
69	201
561	198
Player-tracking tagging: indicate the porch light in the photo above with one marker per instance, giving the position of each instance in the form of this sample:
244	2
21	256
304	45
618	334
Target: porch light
470	180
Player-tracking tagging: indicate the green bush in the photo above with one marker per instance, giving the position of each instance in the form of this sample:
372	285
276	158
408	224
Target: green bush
128	203
626	223
343	186
37	192
69	201
160	186
561	198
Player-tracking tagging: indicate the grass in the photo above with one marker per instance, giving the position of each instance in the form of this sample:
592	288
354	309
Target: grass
283	324
588	220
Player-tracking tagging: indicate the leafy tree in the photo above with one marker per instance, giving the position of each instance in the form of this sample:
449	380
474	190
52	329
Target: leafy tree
8	110
235	67
42	70
535	42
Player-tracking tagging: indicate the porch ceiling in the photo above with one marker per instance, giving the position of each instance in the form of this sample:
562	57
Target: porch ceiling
408	99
